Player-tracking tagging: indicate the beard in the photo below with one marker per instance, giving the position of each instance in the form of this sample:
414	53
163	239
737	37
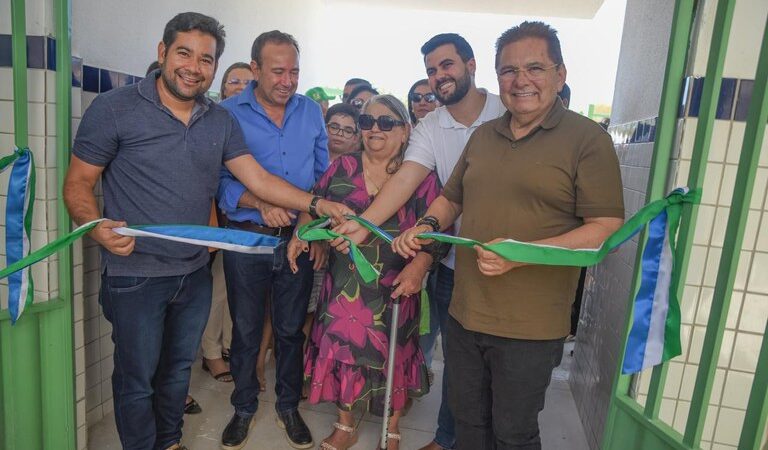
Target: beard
170	82
462	87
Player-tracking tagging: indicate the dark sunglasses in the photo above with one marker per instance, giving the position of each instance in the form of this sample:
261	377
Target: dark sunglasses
385	123
428	97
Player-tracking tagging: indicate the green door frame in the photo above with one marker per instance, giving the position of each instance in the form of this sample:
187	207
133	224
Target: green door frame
37	377
629	425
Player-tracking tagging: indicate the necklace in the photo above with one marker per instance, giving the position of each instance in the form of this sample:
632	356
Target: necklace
369	179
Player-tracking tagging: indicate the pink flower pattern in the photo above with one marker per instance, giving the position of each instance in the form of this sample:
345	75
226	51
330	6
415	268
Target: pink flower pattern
346	358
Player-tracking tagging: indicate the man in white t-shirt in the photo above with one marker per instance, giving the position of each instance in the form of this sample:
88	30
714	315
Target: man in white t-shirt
436	144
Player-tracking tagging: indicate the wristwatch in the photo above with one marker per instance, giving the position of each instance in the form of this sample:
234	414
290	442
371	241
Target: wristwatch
313	206
431	221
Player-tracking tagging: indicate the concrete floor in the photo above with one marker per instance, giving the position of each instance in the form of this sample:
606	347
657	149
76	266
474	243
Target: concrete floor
560	424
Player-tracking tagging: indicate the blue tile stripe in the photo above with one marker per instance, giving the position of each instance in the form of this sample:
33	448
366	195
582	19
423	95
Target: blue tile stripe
41	54
637	132
733	103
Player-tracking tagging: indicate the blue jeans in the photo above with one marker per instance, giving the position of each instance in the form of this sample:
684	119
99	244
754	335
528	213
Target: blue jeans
157	324
498	387
440	288
250	279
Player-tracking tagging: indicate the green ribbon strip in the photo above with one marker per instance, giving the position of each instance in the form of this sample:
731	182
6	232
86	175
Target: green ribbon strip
530	253
316	231
513	250
49	249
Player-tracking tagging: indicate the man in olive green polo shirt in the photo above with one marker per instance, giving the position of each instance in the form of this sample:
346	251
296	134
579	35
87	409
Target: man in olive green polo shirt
539	173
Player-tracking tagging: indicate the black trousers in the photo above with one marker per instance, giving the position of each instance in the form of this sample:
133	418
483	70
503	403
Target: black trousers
497	387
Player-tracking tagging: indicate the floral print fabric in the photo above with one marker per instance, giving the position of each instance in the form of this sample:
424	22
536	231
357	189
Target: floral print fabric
346	359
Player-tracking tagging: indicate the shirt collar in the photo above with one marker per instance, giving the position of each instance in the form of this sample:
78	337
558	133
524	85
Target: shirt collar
447	121
553	118
148	90
248	96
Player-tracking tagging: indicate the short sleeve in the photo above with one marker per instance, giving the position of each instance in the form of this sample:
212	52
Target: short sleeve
454	188
599	190
420	149
235	145
97	139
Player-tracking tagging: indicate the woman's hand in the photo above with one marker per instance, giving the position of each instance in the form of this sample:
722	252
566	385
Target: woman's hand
353	230
410	279
295	248
318	252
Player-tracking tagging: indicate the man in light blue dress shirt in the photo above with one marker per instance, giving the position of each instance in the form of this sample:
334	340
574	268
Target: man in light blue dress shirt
285	133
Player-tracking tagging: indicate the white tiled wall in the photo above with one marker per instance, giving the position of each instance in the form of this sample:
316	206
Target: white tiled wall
748	311
42	142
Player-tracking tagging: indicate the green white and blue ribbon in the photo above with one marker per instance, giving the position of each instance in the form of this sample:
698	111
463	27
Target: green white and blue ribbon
316	231
222	238
18	227
656	306
655	333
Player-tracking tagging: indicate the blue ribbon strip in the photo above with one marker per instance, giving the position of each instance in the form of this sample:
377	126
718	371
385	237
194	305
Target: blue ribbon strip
18	223
638	336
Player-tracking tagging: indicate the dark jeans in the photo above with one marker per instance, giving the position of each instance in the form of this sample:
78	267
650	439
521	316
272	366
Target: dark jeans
250	278
439	288
157	324
497	387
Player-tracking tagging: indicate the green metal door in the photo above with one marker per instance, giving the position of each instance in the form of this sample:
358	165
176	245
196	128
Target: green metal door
631	425
37	387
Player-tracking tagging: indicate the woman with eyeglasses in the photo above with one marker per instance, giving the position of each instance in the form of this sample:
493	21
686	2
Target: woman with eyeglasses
235	79
360	95
346	359
421	101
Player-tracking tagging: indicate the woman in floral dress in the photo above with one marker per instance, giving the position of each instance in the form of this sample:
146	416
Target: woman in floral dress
346	358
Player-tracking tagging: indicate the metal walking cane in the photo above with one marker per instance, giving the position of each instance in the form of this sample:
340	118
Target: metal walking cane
390	372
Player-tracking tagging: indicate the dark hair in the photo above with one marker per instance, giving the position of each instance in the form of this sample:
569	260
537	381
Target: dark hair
271	37
359	89
154	65
526	29
357	81
190	21
462	46
354	82
393	104
565	94
422	82
237	65
344	109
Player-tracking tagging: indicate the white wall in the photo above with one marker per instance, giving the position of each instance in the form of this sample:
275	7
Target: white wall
124	35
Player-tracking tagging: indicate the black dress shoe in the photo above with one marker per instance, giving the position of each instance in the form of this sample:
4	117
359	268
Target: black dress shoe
235	435
295	429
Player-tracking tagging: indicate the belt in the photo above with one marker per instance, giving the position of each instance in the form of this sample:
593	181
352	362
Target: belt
282	232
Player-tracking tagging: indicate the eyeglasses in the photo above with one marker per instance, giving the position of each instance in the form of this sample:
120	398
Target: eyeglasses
233	81
385	123
429	97
357	102
533	73
338	130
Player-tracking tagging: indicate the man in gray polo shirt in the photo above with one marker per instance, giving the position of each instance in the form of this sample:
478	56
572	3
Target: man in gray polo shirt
158	147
